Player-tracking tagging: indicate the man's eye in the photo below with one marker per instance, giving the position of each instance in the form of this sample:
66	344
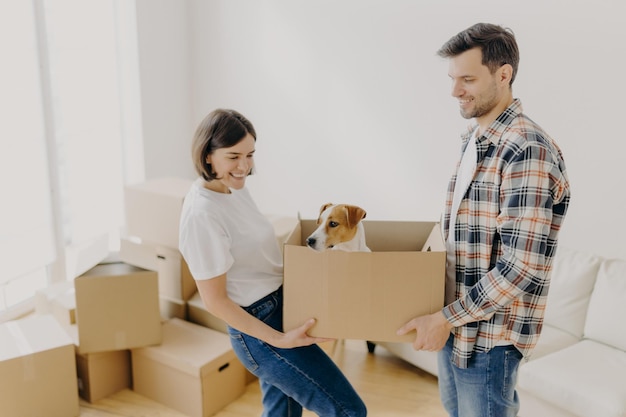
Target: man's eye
333	224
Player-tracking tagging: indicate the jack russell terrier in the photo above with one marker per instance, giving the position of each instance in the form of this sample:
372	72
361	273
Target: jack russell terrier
339	228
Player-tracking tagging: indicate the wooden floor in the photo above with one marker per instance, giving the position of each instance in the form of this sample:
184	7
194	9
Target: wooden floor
389	386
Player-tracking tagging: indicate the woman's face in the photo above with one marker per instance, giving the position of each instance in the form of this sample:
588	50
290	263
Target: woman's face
232	165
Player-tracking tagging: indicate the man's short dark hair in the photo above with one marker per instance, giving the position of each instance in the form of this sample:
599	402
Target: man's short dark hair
498	46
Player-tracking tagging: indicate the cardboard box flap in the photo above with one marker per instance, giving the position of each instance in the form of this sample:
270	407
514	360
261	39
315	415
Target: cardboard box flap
112	269
435	242
30	335
295	237
191	348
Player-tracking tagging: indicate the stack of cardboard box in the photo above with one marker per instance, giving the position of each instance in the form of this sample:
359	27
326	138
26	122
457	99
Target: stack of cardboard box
111	320
194	369
122	325
152	211
106	311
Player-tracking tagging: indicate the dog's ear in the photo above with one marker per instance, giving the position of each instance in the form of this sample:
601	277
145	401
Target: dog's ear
355	215
324	207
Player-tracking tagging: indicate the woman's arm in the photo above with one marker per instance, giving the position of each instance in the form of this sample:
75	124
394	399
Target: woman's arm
217	302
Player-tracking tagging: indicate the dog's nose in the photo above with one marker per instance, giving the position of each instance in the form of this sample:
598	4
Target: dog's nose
310	241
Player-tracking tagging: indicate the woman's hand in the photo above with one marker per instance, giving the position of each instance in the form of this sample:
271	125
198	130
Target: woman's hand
298	337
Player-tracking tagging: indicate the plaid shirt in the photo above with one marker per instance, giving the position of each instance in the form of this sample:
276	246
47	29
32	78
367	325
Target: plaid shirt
506	236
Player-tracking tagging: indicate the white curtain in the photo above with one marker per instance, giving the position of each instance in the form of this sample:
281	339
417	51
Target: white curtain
71	135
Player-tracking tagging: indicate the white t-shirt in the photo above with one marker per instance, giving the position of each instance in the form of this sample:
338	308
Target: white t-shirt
226	233
464	177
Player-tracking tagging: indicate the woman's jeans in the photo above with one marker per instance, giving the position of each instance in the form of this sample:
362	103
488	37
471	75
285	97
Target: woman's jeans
486	388
294	378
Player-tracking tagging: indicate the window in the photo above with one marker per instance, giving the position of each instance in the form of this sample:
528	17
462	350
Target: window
72	139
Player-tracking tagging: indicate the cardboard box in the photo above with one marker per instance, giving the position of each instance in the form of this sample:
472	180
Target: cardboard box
37	369
103	374
171	308
363	295
198	314
117	308
175	279
153	209
194	370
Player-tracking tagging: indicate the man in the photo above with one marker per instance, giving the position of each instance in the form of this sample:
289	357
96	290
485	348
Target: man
504	208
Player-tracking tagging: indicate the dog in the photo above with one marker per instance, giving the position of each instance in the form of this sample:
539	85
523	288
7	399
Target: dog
339	228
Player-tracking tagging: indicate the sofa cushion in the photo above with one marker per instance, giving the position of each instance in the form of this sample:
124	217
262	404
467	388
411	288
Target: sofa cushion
551	340
423	359
572	280
607	306
586	379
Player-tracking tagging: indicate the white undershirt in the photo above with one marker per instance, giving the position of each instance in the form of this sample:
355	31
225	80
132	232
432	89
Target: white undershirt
465	174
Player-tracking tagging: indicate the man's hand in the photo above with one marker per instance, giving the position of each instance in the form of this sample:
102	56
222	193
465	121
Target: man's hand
432	331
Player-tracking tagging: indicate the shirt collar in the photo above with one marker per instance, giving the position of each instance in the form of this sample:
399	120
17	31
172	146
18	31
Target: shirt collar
498	126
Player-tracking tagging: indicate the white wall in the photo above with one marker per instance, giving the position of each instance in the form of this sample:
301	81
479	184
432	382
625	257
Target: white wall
164	43
351	103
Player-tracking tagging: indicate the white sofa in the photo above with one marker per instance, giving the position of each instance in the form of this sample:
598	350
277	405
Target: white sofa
579	365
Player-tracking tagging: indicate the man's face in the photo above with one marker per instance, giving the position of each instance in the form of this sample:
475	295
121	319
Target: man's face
473	85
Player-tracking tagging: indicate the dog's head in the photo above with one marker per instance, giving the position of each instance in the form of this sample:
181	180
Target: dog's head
337	224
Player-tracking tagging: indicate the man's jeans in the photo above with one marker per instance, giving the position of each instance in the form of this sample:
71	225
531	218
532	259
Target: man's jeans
486	388
293	378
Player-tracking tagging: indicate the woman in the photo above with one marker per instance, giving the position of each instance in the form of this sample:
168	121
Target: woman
232	253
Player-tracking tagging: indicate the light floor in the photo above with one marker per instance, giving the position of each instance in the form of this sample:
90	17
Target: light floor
389	386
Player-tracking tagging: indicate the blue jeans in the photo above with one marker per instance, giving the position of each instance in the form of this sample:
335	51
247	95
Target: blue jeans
294	378
486	388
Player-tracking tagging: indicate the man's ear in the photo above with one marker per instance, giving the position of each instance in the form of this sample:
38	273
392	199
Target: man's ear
505	73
